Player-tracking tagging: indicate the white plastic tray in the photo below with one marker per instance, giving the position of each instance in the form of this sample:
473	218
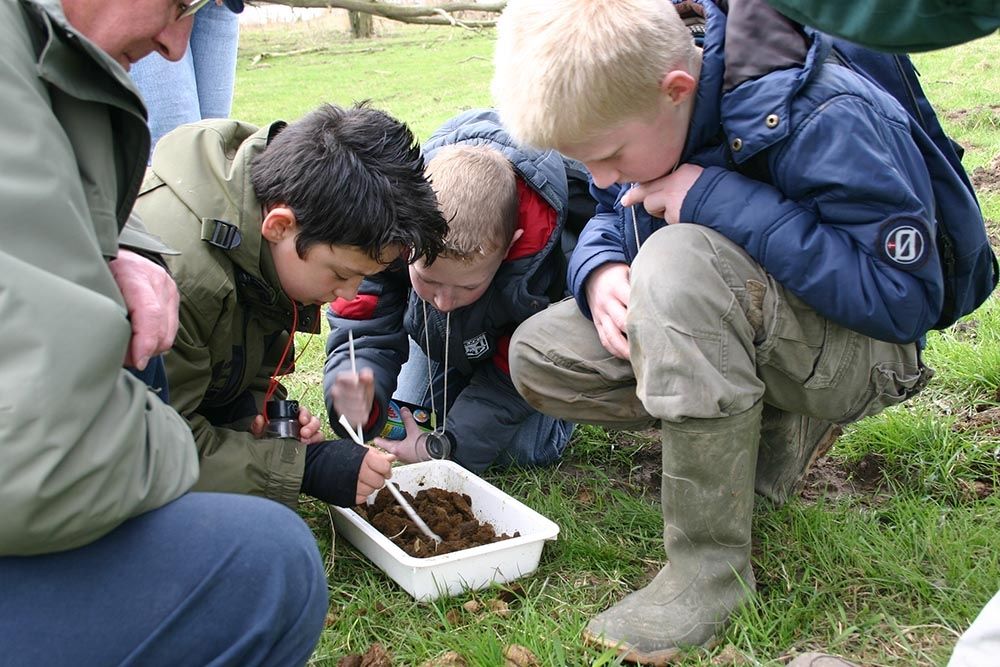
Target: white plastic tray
468	569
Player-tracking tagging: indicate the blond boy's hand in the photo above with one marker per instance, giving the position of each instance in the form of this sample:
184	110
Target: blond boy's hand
664	196
353	394
607	295
376	468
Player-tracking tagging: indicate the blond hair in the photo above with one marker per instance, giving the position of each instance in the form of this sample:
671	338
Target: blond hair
567	70
476	190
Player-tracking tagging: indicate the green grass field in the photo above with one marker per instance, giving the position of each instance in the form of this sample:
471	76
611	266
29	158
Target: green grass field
887	557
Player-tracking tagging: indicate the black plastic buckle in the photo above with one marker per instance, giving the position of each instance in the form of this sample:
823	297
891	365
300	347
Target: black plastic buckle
220	234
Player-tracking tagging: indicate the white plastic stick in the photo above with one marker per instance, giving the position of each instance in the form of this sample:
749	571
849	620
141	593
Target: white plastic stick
412	513
354	369
355	435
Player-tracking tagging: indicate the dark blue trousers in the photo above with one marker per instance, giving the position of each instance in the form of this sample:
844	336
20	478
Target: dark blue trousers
209	579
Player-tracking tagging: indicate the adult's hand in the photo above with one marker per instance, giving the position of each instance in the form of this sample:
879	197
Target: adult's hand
607	295
663	197
152	300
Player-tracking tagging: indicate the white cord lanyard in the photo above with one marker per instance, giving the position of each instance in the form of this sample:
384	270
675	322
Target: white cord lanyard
430	372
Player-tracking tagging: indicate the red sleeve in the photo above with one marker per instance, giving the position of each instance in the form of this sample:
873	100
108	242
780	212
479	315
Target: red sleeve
362	307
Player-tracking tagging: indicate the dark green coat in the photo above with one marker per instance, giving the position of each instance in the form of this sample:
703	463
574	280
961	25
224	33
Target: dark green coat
897	25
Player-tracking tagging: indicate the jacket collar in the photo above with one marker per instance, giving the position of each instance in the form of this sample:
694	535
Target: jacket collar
97	78
705	116
544	172
207	167
768	60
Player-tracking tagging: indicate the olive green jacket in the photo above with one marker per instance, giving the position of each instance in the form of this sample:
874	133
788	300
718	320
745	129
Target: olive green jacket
234	317
897	25
85	445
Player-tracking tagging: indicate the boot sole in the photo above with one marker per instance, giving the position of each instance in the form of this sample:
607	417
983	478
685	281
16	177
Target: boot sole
654	658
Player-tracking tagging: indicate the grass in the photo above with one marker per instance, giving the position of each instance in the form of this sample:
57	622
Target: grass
886	564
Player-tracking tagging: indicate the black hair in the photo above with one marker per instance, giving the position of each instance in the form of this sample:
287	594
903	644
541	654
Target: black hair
352	176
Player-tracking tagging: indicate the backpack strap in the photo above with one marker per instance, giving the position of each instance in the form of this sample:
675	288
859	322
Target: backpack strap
221	234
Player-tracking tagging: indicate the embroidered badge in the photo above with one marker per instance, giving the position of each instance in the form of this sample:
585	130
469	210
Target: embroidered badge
476	347
904	245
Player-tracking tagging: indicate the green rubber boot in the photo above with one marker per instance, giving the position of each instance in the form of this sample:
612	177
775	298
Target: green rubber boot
707	497
789	445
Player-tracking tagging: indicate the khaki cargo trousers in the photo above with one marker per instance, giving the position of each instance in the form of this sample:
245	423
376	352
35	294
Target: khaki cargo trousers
710	334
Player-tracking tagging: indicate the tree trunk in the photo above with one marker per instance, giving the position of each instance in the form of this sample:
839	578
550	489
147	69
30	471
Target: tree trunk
362	26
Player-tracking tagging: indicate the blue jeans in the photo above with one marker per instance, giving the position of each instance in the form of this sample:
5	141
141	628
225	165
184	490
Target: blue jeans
199	85
540	441
209	579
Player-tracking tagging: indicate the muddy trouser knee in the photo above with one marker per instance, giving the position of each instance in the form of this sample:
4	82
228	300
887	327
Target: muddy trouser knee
560	367
710	333
209	579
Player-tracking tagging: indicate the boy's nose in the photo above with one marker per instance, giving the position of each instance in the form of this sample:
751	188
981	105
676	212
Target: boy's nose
444	301
603	176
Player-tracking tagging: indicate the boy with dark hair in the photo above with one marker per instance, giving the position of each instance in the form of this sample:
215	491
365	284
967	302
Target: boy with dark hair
296	215
746	317
451	321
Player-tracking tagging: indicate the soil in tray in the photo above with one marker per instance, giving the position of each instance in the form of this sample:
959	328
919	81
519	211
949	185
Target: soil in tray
447	513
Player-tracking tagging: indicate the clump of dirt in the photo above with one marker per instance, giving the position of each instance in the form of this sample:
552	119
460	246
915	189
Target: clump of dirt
447	513
833	478
985	418
375	656
515	655
987	179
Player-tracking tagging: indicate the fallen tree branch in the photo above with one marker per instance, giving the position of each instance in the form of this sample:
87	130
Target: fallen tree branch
442	14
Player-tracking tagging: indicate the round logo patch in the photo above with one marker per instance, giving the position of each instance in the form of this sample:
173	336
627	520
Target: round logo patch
904	245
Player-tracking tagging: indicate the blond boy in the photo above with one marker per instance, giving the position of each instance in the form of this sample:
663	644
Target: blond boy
759	313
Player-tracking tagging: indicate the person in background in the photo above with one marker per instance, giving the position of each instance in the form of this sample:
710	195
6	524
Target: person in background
105	558
899	26
200	84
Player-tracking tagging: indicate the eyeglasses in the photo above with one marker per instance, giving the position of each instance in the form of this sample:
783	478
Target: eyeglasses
186	9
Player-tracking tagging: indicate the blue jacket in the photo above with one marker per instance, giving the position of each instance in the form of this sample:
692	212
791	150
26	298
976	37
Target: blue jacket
386	312
845	176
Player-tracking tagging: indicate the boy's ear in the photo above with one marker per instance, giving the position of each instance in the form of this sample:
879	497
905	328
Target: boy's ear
518	233
678	85
278	223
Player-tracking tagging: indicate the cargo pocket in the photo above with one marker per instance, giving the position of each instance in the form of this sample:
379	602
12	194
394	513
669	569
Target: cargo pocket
809	350
892	382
